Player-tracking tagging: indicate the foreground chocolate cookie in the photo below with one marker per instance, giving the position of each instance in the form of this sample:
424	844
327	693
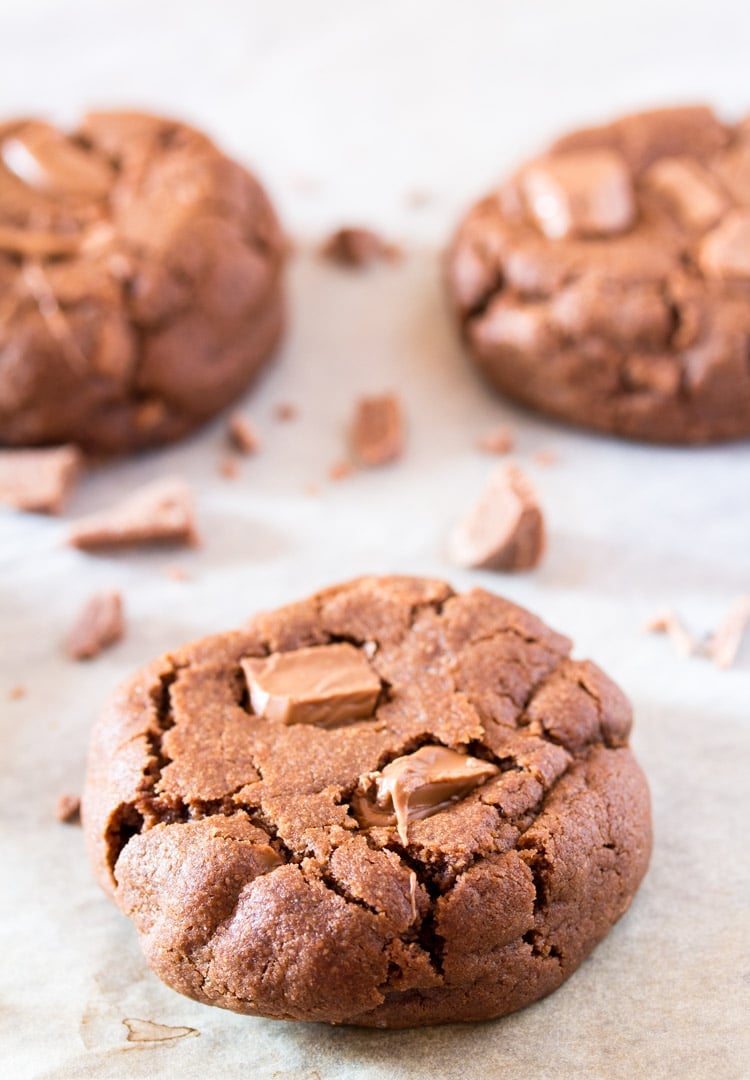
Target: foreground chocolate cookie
608	281
386	805
140	275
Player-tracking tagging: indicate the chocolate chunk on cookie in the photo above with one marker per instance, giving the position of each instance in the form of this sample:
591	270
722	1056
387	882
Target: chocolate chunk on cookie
387	805
608	281
140	275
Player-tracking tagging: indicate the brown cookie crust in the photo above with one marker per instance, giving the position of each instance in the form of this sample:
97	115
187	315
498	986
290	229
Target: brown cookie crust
140	275
231	841
607	283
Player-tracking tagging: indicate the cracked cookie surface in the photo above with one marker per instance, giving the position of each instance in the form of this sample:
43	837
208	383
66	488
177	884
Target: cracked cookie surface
607	283
453	855
140	281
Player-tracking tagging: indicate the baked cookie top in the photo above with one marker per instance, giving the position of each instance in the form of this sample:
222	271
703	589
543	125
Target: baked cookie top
388	804
608	281
139	276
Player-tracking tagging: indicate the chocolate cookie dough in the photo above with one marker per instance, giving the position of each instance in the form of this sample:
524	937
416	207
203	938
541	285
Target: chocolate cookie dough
608	281
386	805
140	281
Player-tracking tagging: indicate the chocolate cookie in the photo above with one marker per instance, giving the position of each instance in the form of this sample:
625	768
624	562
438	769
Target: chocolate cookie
140	281
608	281
386	805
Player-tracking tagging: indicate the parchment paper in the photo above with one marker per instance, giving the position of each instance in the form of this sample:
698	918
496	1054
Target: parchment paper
346	109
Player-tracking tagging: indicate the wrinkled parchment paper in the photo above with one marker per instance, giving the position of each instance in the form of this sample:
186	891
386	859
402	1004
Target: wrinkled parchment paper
348	110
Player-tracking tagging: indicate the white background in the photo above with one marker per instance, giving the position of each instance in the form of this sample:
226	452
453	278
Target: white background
345	109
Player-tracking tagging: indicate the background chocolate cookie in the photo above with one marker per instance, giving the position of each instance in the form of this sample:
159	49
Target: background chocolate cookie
386	805
608	282
140	276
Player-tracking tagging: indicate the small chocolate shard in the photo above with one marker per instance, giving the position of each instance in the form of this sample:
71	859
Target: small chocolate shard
68	809
505	529
584	193
101	623
416	786
324	685
242	434
229	468
340	470
378	430
354	246
285	412
39	480
545	458
147	1031
724	644
177	573
418	198
158	513
667	622
498	442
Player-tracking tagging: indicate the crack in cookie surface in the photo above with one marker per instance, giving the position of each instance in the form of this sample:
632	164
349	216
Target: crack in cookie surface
636	327
141	303
387	907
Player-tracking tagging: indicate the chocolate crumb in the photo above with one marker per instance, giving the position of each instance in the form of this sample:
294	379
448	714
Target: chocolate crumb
285	412
16	693
545	457
242	434
418	198
499	442
100	624
667	622
229	468
724	644
161	512
354	246
505	529
378	430
68	809
340	470
39	480
146	1031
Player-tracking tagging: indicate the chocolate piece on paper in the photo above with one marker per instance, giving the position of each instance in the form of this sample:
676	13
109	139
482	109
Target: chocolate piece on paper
100	623
505	529
158	513
355	246
499	442
378	430
668	622
242	434
285	411
39	480
325	685
725	642
68	809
